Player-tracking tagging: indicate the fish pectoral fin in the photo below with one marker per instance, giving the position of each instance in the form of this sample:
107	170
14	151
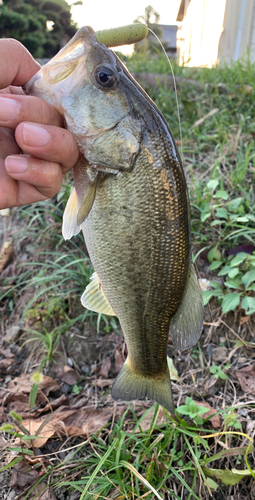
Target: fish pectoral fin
87	202
187	323
69	226
94	298
131	385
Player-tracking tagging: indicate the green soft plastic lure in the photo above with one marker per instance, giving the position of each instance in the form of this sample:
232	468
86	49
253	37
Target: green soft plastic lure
124	35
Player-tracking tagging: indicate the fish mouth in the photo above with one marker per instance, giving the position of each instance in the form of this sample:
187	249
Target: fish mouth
63	64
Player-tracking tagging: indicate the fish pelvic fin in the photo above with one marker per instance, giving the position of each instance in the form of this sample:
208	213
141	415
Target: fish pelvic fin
69	225
131	384
187	323
94	299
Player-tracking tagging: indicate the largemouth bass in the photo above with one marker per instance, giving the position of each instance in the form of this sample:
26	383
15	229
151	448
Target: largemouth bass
130	199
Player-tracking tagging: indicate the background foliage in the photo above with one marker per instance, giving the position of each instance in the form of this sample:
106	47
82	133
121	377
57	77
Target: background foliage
43	26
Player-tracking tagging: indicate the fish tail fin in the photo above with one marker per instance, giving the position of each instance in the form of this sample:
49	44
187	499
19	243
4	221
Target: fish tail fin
131	385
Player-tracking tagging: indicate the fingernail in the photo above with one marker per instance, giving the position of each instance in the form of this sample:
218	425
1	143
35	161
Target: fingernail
16	164
34	135
9	109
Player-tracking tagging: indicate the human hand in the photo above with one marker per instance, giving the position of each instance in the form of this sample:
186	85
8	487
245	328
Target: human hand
35	151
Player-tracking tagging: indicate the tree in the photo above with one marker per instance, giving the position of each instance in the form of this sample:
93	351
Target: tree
151	18
43	26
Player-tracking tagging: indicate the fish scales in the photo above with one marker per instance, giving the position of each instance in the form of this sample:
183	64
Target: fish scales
131	202
145	292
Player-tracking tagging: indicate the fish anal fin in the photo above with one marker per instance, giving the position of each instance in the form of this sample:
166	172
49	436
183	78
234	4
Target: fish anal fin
131	384
87	202
69	226
94	298
187	323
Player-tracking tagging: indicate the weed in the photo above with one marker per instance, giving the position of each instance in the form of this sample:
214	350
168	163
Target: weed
192	410
227	220
217	372
240	277
231	420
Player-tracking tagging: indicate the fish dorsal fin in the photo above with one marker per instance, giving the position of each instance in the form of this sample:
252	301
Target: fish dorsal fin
87	201
187	323
69	225
94	298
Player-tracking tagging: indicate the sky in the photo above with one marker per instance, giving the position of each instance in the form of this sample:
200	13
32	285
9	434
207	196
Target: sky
103	14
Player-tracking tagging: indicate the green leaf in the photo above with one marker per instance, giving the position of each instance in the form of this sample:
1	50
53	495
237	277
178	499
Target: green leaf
212	484
236	284
234	204
214	254
183	410
248	278
215	265
230	453
252	287
230	302
204	216
225	270
242	219
208	294
216	222
221	213
215	284
226	476
32	395
11	464
251	217
233	272
221	194
248	304
172	370
212	184
238	259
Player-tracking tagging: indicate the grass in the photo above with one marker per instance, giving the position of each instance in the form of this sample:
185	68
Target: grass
170	458
178	458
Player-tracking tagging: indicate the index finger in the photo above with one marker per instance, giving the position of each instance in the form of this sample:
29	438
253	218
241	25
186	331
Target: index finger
17	64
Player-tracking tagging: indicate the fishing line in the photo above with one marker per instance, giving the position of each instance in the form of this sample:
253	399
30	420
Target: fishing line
175	89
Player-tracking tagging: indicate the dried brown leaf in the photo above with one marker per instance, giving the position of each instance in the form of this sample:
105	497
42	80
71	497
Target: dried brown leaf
17	403
43	492
62	400
92	419
22	475
5	363
246	378
219	354
244	319
32	425
119	358
105	367
103	382
69	375
215	420
3	443
6	352
6	254
68	422
23	383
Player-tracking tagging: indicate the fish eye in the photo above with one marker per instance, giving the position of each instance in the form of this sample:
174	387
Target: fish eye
105	76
